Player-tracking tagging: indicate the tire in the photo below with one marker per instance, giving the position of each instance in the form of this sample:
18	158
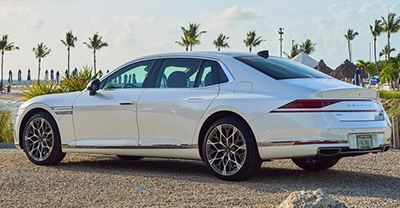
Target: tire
41	139
315	164
129	158
237	161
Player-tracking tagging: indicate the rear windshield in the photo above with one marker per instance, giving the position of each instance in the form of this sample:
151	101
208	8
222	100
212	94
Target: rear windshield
279	68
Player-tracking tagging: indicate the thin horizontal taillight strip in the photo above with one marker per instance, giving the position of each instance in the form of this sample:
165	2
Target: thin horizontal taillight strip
319	103
315	105
323	111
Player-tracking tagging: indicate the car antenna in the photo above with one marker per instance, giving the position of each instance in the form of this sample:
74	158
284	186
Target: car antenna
264	53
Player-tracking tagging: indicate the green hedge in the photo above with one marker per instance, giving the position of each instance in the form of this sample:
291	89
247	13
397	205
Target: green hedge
389	94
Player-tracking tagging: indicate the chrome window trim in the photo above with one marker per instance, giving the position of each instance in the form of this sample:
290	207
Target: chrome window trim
223	66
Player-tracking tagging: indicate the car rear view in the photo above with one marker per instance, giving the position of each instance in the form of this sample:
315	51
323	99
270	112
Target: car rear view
332	119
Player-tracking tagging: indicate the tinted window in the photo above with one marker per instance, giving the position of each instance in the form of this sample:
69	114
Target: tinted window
178	73
131	76
210	74
279	68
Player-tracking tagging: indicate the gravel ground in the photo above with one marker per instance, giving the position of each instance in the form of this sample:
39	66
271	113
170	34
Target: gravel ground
104	181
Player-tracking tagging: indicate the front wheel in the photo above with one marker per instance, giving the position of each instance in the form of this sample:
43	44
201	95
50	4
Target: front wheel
315	164
230	151
41	140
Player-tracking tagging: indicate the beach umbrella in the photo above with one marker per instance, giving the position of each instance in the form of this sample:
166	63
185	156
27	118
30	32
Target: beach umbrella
134	79
66	74
357	77
125	79
46	75
19	75
58	77
100	73
130	78
29	75
52	75
75	72
10	76
108	71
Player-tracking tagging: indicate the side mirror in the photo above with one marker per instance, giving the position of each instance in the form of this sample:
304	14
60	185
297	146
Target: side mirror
93	86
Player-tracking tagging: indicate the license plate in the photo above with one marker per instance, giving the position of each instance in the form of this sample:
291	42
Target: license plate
364	141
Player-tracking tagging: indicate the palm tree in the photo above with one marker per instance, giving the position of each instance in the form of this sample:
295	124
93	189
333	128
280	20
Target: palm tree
349	37
385	52
190	36
41	51
95	44
220	42
5	46
185	42
251	40
294	52
376	31
367	66
69	42
389	26
307	47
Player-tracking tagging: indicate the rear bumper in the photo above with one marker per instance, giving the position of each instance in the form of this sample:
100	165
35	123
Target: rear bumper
346	151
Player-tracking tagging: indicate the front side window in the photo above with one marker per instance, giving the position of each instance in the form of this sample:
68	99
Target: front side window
178	73
131	76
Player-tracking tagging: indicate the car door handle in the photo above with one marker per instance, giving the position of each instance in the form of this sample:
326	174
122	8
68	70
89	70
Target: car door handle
126	102
195	100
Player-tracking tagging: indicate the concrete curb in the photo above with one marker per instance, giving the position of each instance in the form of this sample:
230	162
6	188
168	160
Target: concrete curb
6	145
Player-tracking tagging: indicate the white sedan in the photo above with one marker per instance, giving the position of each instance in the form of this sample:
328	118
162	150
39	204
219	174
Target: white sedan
231	110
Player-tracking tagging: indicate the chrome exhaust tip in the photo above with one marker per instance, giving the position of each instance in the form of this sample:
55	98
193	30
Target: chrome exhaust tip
329	152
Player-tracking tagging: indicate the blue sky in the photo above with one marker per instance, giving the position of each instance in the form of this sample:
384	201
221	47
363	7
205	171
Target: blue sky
137	28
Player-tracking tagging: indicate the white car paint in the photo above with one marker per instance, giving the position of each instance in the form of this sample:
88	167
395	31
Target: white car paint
168	122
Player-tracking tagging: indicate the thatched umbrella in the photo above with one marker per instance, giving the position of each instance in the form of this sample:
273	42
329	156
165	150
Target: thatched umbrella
347	70
322	67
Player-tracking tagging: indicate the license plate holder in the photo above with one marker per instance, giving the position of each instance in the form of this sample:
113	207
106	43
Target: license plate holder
364	141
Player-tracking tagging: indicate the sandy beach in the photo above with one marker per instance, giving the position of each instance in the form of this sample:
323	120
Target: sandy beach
14	96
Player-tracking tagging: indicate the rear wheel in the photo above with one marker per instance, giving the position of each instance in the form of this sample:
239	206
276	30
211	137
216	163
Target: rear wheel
129	158
230	151
41	140
315	164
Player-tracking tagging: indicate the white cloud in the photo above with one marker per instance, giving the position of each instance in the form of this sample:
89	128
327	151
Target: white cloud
237	13
130	23
31	19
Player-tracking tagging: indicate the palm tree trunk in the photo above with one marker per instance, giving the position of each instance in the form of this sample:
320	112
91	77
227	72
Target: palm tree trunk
94	58
388	53
38	70
219	48
190	47
250	49
2	56
68	59
376	63
348	47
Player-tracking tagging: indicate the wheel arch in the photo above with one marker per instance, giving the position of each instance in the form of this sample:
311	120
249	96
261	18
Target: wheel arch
25	119
213	118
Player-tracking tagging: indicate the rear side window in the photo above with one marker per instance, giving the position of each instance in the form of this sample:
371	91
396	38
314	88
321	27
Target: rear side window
178	73
279	68
210	73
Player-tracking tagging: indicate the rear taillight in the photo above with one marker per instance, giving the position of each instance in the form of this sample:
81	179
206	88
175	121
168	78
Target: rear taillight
315	105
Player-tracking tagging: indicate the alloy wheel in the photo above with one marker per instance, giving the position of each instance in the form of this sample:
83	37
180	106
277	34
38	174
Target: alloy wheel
39	139
226	149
